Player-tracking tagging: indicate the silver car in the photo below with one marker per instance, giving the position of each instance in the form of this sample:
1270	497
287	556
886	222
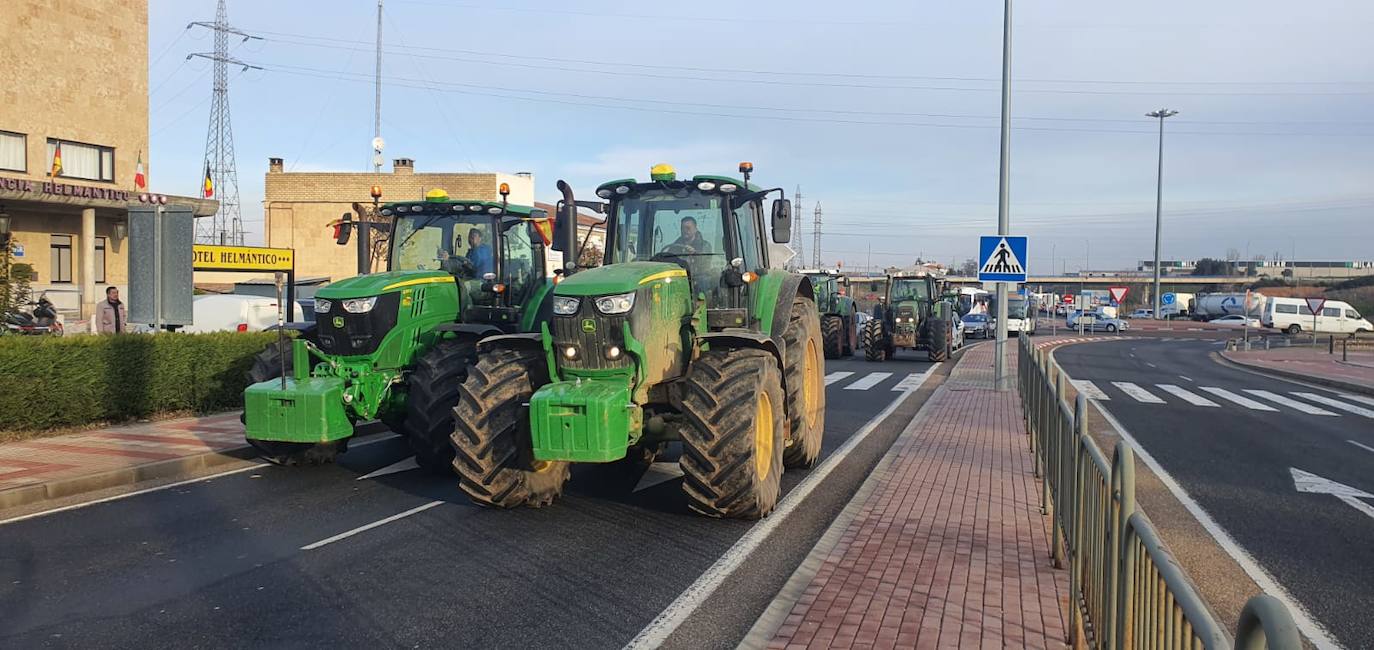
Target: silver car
976	326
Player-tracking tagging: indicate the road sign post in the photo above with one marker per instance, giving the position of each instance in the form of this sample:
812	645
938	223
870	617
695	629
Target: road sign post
1118	295
1315	305
1001	259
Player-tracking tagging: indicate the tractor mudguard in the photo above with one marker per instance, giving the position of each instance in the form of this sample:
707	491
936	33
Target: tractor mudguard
792	285
743	338
533	340
479	330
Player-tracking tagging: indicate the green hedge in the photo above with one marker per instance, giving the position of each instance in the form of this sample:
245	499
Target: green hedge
48	382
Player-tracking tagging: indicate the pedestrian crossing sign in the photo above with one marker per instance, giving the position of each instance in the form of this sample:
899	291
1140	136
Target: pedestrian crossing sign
1002	259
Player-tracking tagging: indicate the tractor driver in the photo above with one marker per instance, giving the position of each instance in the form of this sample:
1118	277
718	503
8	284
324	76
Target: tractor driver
479	253
691	240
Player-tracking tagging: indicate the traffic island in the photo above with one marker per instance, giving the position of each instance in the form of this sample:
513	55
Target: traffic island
943	546
1354	373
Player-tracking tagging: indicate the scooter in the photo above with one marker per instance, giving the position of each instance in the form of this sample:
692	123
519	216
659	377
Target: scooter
43	320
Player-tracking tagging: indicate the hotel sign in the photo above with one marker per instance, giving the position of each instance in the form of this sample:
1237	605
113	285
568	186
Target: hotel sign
242	258
64	189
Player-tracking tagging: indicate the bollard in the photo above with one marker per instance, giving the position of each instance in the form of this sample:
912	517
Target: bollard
1266	343
1345	348
1331	344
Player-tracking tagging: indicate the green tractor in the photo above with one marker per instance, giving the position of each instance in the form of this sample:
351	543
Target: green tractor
684	334
395	345
839	329
912	314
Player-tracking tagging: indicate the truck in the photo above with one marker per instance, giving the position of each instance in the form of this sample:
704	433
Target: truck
1176	305
912	314
839	325
394	346
1207	306
686	333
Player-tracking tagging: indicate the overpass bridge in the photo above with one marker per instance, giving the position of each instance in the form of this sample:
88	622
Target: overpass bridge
1096	281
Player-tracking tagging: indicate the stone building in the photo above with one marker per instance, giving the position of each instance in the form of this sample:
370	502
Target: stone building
74	78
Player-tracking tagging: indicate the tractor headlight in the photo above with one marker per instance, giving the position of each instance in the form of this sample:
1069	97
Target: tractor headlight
617	304
359	305
565	306
322	305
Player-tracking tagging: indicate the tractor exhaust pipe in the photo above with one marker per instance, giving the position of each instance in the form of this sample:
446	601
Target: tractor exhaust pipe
565	239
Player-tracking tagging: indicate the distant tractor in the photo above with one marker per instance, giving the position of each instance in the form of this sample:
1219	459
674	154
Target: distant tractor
839	328
684	334
912	314
396	345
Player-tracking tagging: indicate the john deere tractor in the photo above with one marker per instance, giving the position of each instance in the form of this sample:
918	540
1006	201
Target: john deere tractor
912	314
839	330
395	345
684	334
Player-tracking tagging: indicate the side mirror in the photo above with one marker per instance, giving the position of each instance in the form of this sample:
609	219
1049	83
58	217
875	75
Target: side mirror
343	229
782	221
560	230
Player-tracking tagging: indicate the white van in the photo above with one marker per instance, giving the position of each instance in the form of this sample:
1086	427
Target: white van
234	313
1292	316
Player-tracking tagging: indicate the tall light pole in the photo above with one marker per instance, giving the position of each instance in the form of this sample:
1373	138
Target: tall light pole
1159	199
1003	219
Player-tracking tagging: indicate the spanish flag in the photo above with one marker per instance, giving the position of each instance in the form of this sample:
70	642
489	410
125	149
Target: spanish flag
545	229
56	161
209	182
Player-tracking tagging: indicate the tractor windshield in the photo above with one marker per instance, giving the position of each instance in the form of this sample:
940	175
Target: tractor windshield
682	225
904	289
461	245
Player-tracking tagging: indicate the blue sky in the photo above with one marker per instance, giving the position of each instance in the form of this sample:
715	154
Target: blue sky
884	112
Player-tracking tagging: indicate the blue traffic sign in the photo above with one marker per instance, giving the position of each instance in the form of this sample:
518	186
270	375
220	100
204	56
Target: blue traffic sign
1002	259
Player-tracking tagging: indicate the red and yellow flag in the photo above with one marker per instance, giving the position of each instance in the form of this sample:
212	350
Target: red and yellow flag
56	161
209	182
545	229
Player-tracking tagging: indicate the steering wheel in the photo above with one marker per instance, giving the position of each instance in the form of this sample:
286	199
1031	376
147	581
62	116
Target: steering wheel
460	266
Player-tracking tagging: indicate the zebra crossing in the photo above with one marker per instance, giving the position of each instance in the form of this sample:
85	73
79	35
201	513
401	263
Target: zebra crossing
894	382
1254	399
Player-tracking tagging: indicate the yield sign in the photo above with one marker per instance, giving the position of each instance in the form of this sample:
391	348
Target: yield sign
1314	305
1118	293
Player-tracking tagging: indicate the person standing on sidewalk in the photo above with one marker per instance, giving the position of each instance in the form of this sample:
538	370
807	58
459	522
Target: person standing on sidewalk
112	317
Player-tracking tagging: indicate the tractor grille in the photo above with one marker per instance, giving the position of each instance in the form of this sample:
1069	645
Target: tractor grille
355	334
591	346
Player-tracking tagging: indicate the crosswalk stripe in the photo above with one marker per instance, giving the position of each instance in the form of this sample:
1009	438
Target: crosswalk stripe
870	380
836	376
1090	390
912	380
1186	395
1358	410
1239	399
1289	402
1359	398
1140	394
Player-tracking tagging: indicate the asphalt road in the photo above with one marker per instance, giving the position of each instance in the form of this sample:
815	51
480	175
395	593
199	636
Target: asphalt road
1232	439
247	558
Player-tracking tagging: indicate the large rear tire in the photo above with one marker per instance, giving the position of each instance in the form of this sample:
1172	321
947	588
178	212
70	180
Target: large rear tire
805	374
832	331
938	347
849	335
432	393
732	448
491	433
874	346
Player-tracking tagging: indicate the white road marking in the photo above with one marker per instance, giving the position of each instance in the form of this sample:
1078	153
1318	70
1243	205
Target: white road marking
1359	398
1185	378
686	604
1308	482
1140	394
1357	410
1361	446
870	380
375	524
915	379
1239	399
1186	395
659	473
836	376
1089	389
404	465
1151	364
1289	402
1313	630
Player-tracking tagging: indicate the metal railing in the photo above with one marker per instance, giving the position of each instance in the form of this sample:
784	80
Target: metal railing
1126	590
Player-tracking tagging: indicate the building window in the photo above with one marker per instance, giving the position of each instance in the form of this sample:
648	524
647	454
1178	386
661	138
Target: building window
100	260
13	152
83	161
61	255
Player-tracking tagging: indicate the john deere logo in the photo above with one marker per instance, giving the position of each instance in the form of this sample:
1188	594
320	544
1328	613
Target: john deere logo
588	325
338	322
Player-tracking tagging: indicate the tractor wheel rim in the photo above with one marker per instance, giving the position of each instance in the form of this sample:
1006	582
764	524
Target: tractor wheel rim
811	382
540	466
763	436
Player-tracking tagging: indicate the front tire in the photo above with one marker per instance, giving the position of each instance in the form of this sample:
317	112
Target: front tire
874	345
832	331
493	453
1111	329
732	450
938	348
432	394
1293	329
805	385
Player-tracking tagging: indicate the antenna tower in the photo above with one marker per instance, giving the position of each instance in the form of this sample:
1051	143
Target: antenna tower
226	227
797	247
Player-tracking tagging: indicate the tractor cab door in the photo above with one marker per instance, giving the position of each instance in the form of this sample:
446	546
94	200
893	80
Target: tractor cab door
522	262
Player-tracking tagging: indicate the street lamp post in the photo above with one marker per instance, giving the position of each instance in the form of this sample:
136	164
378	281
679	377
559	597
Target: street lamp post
1003	219
1159	199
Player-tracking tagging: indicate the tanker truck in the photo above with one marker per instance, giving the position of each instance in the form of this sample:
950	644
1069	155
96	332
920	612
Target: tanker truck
1207	306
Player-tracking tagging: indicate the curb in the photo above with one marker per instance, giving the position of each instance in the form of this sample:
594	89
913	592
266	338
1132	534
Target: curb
1296	376
163	469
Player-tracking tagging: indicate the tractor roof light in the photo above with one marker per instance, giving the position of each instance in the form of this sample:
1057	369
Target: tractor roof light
504	189
623	189
474	208
706	186
493	210
604	193
746	167
728	188
457	208
663	172
386	212
376	191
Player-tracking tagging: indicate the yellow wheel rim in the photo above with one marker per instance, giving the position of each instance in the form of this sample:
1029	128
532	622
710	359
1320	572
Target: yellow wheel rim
540	466
811	383
763	436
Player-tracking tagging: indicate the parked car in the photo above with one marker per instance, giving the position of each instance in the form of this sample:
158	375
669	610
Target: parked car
1143	313
1235	320
976	326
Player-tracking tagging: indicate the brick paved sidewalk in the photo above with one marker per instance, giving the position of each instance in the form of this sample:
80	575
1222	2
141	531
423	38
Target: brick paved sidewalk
46	468
1309	363
949	549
